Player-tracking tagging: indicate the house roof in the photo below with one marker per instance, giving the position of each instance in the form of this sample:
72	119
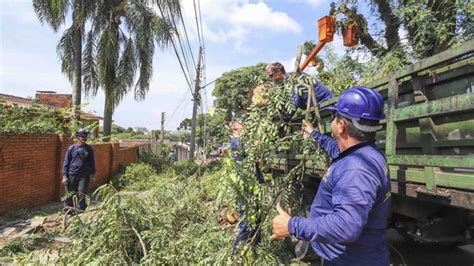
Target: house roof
10	100
15	100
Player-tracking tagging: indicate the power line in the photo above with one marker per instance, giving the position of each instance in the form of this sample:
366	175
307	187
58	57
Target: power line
183	53
187	38
197	23
200	22
177	56
183	98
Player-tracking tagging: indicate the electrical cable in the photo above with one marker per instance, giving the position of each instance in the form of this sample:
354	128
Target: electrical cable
178	57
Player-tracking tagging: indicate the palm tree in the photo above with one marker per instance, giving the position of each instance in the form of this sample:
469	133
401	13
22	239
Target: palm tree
120	43
69	48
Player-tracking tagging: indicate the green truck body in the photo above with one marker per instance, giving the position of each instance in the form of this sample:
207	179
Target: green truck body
428	140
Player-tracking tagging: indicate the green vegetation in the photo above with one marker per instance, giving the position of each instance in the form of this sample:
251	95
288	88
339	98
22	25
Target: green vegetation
35	119
138	176
232	89
174	222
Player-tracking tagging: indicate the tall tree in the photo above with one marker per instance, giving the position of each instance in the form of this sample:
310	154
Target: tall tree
232	88
54	12
120	44
429	26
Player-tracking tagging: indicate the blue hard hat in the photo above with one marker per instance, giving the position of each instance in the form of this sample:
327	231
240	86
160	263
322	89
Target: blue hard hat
360	103
83	133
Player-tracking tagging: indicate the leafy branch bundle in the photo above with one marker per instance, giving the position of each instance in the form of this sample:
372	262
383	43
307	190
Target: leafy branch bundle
266	134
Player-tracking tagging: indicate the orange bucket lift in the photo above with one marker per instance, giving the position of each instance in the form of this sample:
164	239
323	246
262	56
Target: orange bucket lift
349	35
327	28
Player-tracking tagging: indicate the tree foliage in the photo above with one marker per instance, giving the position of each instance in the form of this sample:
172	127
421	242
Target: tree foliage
232	89
120	44
69	48
410	28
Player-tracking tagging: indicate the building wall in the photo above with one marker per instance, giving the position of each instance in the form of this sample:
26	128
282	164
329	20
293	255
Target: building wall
31	168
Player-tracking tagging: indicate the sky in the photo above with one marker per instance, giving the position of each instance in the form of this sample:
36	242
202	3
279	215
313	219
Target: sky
237	33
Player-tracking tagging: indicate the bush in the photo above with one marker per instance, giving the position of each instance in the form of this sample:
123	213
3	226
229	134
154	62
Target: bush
212	166
158	162
185	168
137	176
34	119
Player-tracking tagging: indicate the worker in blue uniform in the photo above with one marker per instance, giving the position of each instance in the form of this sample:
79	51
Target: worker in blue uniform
348	217
276	72
245	233
78	170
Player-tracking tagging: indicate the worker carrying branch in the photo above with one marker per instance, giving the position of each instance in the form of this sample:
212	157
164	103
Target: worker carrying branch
276	72
348	217
78	170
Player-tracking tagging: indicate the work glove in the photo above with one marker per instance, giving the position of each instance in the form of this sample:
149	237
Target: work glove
65	180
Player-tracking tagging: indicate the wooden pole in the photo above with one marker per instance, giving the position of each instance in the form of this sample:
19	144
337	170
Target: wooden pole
162	127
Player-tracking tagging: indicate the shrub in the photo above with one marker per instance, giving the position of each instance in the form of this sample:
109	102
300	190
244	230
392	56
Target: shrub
158	162
185	168
212	166
137	176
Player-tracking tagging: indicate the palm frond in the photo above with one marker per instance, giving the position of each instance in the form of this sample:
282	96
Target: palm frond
126	71
171	8
145	46
89	68
52	12
163	31
65	52
107	57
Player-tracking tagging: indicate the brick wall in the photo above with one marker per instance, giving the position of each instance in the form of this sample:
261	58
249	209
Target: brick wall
126	143
31	168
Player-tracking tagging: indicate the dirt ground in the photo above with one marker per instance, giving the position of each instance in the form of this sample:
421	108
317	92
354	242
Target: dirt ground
37	230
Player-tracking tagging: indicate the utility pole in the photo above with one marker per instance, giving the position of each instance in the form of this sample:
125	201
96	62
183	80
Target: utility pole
195	105
162	127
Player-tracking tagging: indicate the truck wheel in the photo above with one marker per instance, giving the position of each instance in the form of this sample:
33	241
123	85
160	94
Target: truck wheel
301	248
415	241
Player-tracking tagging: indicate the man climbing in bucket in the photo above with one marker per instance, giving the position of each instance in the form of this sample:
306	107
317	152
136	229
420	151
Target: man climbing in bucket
348	217
78	170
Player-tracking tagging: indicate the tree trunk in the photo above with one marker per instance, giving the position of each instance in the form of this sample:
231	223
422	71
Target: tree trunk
392	25
108	112
77	75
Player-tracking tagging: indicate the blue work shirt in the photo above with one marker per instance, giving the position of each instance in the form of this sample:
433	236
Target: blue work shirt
235	146
348	217
79	160
321	92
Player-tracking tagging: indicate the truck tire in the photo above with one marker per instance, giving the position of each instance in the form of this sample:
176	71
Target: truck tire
301	248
